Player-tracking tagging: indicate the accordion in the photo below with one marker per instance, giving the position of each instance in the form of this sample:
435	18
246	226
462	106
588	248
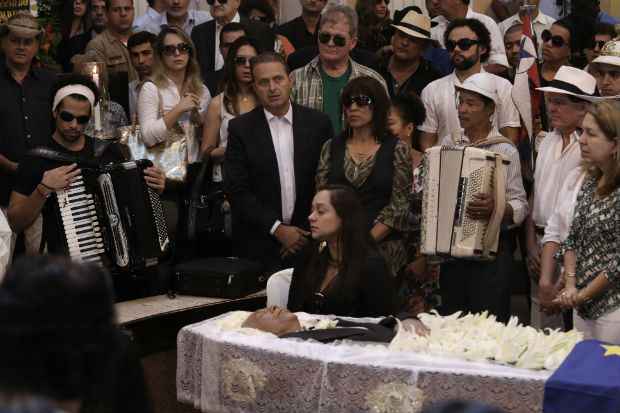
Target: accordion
112	218
453	176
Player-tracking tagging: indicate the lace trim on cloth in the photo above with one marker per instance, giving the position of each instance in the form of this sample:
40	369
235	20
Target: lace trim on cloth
229	371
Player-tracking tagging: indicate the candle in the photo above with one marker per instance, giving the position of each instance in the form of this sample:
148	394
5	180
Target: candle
98	127
96	76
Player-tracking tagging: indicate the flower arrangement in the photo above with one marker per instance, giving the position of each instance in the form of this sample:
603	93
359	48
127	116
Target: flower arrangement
480	337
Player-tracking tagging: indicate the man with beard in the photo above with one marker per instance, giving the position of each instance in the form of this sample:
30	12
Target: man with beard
468	42
301	31
37	177
141	50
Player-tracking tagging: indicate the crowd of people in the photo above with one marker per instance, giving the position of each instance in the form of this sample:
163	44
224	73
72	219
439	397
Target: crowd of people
316	130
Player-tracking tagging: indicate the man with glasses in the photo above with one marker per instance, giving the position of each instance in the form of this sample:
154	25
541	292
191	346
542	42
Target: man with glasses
558	154
178	14
606	69
469	43
37	178
556	50
318	84
26	95
301	31
603	33
206	36
540	21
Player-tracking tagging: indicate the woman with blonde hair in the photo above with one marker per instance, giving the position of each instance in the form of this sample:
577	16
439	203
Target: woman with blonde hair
175	95
591	252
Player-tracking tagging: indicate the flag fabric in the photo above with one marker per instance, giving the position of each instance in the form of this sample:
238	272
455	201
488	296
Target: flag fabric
587	381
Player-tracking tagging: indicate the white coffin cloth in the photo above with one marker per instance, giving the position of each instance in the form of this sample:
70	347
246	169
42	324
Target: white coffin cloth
229	371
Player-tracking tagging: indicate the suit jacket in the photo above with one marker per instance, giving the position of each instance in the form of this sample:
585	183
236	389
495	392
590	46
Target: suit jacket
252	180
203	37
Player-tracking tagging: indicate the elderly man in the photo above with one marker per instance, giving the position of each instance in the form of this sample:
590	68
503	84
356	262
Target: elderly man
606	69
558	154
26	95
318	84
301	31
178	14
405	70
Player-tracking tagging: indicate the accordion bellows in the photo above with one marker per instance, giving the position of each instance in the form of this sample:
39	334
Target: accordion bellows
453	176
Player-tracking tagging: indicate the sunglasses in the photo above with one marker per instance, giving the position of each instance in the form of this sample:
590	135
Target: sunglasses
338	39
171	49
242	61
463	44
556	41
359	100
68	117
212	2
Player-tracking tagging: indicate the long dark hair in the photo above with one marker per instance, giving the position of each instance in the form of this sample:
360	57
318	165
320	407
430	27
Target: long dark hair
67	18
355	244
229	85
366	85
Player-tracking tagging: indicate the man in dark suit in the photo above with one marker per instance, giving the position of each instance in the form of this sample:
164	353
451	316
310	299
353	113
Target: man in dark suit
206	36
270	165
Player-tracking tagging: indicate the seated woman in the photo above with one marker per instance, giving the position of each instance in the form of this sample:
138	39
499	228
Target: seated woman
342	271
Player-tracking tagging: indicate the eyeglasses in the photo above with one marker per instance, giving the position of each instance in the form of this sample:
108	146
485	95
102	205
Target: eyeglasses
68	117
212	2
556	41
338	39
242	60
359	100
463	44
171	49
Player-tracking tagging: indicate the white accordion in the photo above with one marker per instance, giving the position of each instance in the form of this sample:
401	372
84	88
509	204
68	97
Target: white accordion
453	176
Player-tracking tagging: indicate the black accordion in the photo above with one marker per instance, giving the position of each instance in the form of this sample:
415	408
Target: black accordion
112	218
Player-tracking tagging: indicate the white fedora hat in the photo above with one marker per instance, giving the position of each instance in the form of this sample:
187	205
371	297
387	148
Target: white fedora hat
610	53
483	84
572	81
415	24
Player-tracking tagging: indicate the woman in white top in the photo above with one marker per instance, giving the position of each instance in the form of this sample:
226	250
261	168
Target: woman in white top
237	98
174	96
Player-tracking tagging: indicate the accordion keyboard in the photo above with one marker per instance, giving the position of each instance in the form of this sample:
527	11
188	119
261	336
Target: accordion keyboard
81	224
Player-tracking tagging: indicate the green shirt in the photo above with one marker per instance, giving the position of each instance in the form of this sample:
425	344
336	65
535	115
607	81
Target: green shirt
332	88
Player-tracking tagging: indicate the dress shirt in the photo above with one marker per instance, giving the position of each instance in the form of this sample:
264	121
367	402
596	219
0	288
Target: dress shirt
515	194
194	18
497	52
219	59
439	99
541	23
561	217
281	129
152	123
152	18
552	166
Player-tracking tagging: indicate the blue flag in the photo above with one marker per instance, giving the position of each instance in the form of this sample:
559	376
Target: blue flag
587	381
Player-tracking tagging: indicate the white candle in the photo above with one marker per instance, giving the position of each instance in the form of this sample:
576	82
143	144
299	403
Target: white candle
96	76
98	118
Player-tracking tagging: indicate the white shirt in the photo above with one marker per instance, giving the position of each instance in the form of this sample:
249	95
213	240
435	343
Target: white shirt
152	18
541	23
439	99
552	166
281	129
497	52
194	18
152	124
558	224
219	59
515	193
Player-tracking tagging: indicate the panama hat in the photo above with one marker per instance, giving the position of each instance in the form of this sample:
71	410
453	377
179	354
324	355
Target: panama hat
415	24
572	81
483	84
22	24
610	53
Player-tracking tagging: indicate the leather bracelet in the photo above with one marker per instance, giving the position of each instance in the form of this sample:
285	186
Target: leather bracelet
47	187
43	194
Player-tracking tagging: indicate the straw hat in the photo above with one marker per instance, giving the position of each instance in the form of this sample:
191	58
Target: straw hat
22	24
572	81
415	24
610	53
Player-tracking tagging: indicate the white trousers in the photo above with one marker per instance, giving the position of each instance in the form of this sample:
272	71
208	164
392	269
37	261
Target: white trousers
605	328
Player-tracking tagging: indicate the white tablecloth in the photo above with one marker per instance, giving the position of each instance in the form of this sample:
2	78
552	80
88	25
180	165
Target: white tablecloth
228	371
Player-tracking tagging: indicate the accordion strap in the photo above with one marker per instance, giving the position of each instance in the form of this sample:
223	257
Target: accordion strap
491	237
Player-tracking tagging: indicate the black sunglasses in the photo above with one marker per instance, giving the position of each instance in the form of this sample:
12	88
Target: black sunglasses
556	41
68	117
242	60
170	49
359	100
338	39
212	2
463	44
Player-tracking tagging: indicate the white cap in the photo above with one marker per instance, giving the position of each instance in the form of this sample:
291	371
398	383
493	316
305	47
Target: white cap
483	84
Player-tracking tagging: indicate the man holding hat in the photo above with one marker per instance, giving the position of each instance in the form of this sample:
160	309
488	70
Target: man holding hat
606	69
559	153
37	177
476	286
405	70
25	103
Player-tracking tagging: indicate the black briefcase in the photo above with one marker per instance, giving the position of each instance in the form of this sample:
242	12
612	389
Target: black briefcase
225	277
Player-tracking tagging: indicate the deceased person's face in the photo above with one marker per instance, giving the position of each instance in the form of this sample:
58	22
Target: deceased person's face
273	320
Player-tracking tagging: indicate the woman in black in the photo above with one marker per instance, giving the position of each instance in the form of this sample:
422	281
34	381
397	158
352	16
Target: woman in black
341	272
367	158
